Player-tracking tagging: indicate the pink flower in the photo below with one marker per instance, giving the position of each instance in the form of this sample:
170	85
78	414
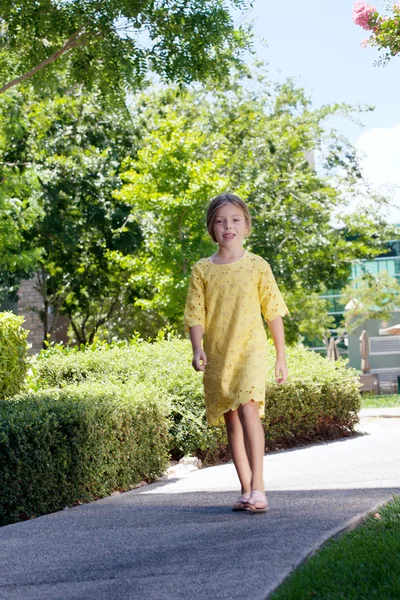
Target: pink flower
396	6
362	13
364	43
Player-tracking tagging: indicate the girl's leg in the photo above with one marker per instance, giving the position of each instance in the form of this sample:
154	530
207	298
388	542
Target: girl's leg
237	449
254	441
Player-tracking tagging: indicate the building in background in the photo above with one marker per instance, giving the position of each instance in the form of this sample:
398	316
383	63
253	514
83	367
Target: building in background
384	350
30	306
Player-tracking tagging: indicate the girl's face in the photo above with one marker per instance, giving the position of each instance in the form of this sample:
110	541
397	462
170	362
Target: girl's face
230	226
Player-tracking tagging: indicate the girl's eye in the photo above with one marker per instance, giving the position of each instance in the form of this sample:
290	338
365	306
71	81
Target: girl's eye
233	219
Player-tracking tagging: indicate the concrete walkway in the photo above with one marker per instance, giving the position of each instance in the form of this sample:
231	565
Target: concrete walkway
179	539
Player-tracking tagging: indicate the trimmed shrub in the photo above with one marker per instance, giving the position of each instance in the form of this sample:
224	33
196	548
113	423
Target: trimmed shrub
166	364
14	354
59	366
64	446
320	400
114	415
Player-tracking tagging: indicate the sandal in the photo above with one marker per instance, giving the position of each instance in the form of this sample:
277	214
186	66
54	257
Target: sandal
257	497
241	503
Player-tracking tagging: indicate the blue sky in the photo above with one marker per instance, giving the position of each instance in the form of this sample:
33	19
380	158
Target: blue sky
317	42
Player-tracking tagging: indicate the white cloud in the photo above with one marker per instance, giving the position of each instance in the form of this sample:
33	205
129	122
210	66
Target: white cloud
380	158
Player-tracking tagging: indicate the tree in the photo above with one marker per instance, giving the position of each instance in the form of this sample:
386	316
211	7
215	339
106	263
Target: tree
19	207
116	238
309	320
84	242
168	186
113	44
385	31
251	140
370	297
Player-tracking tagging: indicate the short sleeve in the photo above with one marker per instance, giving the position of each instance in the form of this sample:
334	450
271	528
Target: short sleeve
195	309
271	300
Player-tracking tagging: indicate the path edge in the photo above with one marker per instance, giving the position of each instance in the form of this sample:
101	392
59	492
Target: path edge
334	534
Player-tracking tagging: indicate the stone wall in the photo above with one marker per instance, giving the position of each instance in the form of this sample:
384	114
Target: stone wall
29	305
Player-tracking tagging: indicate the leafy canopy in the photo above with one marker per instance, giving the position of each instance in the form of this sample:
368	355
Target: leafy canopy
120	199
251	140
19	207
82	241
112	44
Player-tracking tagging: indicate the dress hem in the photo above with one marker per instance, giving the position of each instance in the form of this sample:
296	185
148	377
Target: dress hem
221	421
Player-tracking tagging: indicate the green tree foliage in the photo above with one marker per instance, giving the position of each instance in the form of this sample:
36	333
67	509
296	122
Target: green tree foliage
113	44
118	200
370	297
70	150
168	186
19	208
251	140
309	319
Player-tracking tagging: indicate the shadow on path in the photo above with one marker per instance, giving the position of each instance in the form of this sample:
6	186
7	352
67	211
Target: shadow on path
172	546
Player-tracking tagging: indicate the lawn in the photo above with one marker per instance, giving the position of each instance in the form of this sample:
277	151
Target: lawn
360	565
383	401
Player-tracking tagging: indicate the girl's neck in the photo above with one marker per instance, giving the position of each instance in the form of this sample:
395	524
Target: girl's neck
222	257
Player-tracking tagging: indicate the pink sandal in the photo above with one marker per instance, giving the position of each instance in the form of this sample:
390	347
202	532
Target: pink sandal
241	503
257	497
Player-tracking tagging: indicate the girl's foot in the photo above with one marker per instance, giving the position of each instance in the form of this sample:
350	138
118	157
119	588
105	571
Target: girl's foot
257	502
241	503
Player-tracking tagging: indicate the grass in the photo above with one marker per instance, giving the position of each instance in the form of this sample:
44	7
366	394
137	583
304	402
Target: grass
383	401
360	565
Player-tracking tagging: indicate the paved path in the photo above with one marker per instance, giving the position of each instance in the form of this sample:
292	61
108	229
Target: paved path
179	539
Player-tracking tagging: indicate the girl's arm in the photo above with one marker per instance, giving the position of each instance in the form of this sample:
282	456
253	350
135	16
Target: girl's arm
195	317
273	308
278	336
199	356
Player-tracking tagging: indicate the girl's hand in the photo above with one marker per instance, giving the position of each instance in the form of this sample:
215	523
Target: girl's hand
199	360
281	371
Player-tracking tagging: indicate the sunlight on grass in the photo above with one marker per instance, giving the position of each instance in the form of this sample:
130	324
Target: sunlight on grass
383	401
362	564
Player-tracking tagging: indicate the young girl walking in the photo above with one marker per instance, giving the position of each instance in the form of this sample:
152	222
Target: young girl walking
227	294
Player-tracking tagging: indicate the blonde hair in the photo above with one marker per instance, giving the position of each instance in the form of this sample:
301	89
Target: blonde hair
221	200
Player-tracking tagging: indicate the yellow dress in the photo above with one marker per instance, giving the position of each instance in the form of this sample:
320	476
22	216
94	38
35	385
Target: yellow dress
227	301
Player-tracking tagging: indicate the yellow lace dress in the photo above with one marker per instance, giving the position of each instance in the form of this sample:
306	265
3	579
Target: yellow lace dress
227	301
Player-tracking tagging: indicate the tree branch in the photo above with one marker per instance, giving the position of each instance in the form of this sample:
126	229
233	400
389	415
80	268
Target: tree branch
72	42
75	328
102	320
16	164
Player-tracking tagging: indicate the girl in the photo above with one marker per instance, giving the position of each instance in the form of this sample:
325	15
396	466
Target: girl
227	293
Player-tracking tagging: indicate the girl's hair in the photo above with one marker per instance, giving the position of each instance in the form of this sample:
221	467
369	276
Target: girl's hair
219	201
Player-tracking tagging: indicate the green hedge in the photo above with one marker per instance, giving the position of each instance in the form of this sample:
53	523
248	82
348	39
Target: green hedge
105	418
13	353
319	401
166	364
63	446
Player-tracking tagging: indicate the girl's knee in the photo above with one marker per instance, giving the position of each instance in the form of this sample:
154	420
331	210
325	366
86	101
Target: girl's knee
232	420
250	410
